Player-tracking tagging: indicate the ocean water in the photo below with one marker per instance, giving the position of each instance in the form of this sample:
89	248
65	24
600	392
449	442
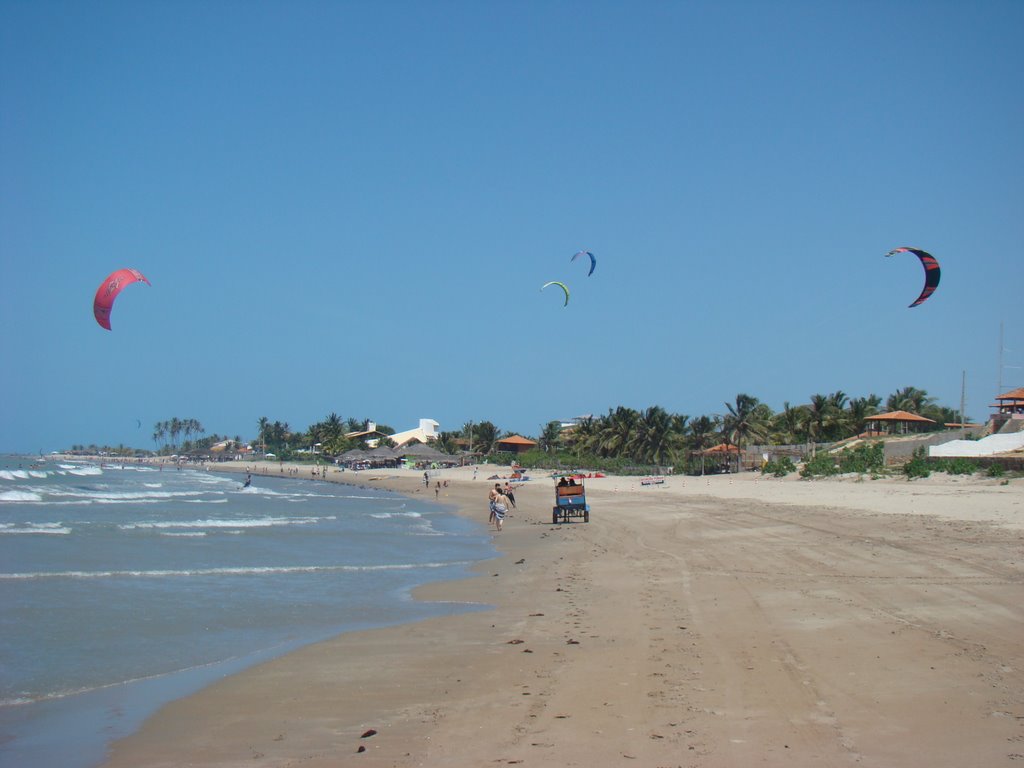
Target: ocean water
123	587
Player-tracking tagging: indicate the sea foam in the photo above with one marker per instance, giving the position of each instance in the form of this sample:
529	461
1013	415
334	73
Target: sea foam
20	496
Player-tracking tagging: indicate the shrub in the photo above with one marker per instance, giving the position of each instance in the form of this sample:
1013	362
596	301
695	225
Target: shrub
779	467
959	466
863	459
820	465
995	470
918	465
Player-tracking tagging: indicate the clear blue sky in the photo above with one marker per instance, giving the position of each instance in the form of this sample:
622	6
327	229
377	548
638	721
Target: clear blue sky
351	207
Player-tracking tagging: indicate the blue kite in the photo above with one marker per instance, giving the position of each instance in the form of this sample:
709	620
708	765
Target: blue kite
593	261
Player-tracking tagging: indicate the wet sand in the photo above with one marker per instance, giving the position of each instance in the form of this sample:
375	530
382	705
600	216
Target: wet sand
713	622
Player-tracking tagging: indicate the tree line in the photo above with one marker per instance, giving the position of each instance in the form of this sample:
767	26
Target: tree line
650	436
653	436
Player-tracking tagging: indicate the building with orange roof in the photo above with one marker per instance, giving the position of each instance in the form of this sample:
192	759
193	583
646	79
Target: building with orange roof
1012	402
516	444
898	422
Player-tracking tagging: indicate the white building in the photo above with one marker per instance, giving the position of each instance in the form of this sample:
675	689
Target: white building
425	432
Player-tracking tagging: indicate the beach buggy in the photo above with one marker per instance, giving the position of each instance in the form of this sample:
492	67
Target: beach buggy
570	500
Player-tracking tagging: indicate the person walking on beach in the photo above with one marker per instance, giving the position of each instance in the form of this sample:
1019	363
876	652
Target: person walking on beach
510	495
498	505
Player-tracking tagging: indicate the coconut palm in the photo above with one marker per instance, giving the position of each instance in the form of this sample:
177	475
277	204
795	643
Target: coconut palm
159	433
617	432
744	420
703	432
448	442
582	438
264	426
485	436
817	418
551	436
910	399
659	436
858	410
788	425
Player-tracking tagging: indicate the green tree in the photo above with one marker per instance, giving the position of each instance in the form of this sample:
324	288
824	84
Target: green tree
447	442
551	436
263	426
744	421
910	399
617	431
788	425
818	415
659	436
859	409
583	437
485	436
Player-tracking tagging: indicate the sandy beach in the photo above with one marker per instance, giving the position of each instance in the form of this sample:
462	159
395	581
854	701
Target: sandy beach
713	622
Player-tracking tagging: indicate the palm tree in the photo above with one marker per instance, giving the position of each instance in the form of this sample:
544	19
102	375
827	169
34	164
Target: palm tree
940	414
264	426
837	426
910	399
617	432
447	442
659	436
858	410
583	436
159	433
485	436
703	432
333	428
703	435
550	436
174	430
817	417
744	421
788	424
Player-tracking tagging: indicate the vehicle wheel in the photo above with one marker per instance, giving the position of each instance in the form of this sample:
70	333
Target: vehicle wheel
586	517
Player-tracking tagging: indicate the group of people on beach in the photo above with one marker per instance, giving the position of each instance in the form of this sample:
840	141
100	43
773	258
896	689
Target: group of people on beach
500	500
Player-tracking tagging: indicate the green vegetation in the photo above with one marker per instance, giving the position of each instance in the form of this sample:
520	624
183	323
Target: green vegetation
918	465
167	433
868	458
779	467
624	440
820	465
956	466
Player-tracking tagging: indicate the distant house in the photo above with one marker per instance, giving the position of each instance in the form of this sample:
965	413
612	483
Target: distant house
424	433
227	450
370	436
515	444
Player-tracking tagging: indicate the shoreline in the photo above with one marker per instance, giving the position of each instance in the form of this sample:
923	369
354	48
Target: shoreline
674	628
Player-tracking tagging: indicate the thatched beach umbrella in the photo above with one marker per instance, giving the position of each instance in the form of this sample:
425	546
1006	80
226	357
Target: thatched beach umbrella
353	455
422	452
381	455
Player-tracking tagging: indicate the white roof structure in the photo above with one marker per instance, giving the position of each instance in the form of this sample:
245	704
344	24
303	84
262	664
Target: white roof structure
987	446
425	432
